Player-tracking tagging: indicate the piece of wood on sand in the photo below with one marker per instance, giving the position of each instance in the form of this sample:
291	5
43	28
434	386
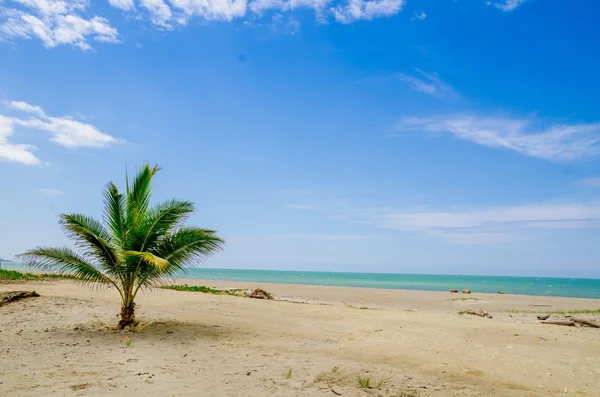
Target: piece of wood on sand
565	323
479	313
586	322
13	296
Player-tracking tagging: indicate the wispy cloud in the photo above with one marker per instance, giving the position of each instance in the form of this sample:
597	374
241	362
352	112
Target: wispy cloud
506	5
305	207
428	83
63	130
418	16
526	136
355	10
590	182
54	22
487	225
63	22
347	237
51	192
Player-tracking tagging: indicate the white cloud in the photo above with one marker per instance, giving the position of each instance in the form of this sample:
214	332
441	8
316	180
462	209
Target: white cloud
160	13
26	107
479	225
62	22
590	182
125	5
64	131
11	152
71	133
418	16
506	5
429	83
488	225
355	10
51	192
55	22
553	142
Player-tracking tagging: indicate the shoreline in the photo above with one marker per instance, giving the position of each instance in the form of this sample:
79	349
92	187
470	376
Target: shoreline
459	285
396	298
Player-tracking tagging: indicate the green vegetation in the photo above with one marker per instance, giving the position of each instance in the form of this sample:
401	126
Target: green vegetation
364	382
206	290
135	248
288	374
558	312
16	275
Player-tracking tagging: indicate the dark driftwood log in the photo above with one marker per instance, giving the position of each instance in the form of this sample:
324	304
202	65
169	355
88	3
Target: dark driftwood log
566	323
544	317
583	321
14	296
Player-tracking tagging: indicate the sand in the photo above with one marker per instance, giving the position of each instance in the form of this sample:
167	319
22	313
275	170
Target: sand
408	343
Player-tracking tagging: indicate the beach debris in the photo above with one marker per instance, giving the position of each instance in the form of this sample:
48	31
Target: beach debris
544	317
565	323
260	294
454	291
479	313
502	293
583	321
466	291
574	322
13	296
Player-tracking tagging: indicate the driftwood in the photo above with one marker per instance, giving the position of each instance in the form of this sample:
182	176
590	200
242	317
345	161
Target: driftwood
479	313
14	296
466	291
544	317
566	323
260	294
454	291
583	321
574	322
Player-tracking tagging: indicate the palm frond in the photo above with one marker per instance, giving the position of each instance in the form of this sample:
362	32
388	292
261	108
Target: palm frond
138	195
185	246
92	238
149	258
114	213
180	249
65	261
160	220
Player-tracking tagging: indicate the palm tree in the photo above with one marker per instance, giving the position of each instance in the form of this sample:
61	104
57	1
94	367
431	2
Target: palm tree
135	248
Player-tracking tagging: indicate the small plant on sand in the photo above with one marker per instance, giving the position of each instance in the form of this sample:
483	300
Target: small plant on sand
136	246
128	341
335	369
364	382
288	374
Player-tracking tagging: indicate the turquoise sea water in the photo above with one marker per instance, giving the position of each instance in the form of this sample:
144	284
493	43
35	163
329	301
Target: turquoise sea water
545	286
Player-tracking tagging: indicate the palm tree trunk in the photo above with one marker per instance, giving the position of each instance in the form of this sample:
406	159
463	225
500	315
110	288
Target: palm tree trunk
127	315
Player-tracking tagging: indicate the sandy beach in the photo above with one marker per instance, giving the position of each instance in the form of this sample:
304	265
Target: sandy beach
315	341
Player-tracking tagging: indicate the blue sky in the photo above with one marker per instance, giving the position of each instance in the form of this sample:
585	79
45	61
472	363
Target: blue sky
419	136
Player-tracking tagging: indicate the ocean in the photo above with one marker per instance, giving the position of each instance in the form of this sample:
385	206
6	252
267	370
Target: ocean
542	286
